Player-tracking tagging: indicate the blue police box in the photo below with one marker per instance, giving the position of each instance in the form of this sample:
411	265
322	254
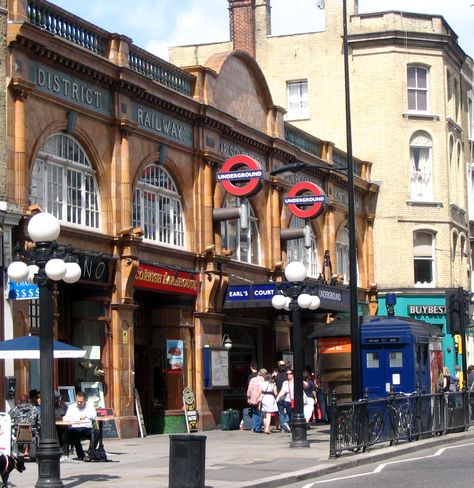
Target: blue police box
395	353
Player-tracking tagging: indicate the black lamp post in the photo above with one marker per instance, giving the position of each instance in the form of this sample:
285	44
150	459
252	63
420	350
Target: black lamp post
46	267
294	298
354	312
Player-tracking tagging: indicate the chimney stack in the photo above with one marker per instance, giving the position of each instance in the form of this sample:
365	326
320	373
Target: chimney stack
242	25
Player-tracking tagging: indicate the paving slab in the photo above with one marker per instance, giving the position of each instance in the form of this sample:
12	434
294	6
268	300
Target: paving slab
237	459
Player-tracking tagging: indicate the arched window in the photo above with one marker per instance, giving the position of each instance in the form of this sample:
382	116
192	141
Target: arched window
244	243
296	250
63	182
342	254
157	207
423	259
421	166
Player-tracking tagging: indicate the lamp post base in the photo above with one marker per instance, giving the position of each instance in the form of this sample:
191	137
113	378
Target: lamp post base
298	431
48	456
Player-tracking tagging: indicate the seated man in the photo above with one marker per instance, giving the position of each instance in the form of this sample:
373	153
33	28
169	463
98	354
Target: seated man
24	413
82	414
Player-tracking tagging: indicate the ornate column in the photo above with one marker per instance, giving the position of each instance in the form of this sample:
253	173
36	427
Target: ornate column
21	90
122	337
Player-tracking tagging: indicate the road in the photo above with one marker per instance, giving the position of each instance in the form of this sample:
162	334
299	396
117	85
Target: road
451	466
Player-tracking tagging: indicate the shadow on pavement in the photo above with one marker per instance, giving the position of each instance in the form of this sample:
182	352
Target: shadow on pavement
79	480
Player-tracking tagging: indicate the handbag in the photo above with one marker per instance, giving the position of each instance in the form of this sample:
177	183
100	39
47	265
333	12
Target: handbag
292	404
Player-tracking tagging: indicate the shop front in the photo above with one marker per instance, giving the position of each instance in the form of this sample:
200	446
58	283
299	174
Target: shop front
163	344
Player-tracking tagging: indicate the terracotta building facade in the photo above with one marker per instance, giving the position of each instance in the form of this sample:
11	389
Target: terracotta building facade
124	149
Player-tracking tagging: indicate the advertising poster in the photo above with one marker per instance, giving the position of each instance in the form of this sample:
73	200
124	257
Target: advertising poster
174	350
436	371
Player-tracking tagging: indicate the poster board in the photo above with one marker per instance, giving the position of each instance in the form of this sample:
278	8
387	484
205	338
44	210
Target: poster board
68	394
216	367
141	420
109	427
190	411
94	392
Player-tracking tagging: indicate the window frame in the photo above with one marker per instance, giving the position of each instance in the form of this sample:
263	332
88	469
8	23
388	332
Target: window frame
418	90
421	258
231	228
296	251
148	202
421	140
52	183
302	100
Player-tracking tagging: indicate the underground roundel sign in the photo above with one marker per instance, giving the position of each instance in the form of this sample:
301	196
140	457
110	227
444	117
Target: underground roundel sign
241	176
306	200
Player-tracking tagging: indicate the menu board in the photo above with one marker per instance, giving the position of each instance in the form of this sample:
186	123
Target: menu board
109	427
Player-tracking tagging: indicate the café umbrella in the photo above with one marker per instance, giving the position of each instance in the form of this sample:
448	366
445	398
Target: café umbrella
28	347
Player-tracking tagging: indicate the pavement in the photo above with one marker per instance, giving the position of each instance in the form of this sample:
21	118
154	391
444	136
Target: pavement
237	459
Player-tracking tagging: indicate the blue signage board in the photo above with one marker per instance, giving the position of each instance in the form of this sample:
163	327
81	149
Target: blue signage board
332	297
23	291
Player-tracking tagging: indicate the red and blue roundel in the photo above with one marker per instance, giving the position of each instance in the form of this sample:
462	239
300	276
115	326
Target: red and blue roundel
309	196
241	176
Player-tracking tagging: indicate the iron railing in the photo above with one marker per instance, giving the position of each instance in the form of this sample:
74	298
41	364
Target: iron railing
356	426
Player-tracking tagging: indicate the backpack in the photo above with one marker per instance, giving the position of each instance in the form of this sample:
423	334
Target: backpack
453	384
97	454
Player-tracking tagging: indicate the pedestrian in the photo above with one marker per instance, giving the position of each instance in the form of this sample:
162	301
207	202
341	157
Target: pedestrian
446	379
254	391
280	378
310	400
470	377
25	413
253	371
321	395
286	394
268	402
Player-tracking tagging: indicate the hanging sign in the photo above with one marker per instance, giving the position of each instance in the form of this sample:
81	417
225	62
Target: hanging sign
308	195
190	411
241	176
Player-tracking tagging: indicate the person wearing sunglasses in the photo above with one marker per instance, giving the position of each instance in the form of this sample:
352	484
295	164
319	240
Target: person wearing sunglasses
287	395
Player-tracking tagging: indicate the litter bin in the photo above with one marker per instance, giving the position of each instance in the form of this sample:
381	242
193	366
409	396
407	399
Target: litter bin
187	463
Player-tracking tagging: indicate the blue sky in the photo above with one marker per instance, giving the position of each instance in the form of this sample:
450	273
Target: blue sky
156	24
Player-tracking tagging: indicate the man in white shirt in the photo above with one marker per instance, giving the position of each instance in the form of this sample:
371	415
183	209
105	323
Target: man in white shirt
81	414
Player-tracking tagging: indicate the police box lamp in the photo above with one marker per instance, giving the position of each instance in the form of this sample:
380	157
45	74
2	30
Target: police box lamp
390	302
226	342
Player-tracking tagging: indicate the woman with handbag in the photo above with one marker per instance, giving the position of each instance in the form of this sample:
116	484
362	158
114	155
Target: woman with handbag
268	402
288	396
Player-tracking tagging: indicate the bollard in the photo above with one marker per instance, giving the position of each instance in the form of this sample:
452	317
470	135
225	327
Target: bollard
187	464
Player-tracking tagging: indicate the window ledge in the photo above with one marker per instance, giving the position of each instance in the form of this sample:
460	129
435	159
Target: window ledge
289	118
424	285
420	115
424	203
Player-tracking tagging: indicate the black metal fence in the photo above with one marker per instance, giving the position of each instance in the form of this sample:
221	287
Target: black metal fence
355	426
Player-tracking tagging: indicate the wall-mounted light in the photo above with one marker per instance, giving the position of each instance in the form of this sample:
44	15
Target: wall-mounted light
226	342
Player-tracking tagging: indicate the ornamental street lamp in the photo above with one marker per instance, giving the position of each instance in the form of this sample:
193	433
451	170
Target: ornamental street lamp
294	298
45	268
